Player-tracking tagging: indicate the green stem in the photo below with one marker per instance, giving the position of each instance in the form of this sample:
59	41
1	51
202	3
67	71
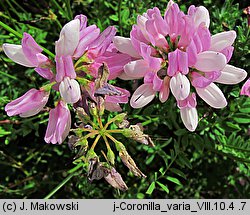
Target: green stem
11	30
69	9
74	169
8	75
151	120
112	138
95	142
60	9
106	142
17	34
59	186
115	131
21	8
12	8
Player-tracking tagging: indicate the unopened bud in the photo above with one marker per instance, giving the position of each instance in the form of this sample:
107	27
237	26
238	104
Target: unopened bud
93	109
111	156
119	146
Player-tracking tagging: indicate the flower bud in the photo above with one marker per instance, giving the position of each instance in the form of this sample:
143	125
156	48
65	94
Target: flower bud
111	156
93	109
119	146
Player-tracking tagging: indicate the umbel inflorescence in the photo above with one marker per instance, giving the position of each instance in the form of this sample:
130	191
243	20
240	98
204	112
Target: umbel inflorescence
175	52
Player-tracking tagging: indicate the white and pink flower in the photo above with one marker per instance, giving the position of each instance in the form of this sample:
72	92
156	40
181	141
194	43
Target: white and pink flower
59	124
177	53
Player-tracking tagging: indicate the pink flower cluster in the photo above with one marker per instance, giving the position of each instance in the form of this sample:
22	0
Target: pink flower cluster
174	53
177	53
76	41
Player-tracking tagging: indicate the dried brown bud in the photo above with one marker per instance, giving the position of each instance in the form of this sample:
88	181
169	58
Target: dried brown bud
129	162
100	104
82	115
72	141
103	74
107	90
136	133
115	179
123	124
95	170
247	10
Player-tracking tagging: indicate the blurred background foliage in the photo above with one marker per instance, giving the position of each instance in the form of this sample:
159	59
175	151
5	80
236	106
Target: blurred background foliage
212	162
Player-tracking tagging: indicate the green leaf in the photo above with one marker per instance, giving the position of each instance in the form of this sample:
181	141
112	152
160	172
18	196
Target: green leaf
164	187
180	132
140	196
178	172
3	132
114	17
166	143
183	159
3	100
150	159
125	15
245	107
174	180
151	188
242	118
232	125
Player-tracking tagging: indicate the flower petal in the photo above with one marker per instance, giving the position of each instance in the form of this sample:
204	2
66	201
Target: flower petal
231	75
59	124
64	67
201	15
222	40
124	45
245	90
213	96
45	73
142	96
180	86
31	49
69	38
70	90
157	83
164	92
189	118
172	63
113	107
136	69
210	61
15	53
88	36
100	45
28	104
